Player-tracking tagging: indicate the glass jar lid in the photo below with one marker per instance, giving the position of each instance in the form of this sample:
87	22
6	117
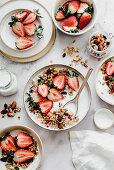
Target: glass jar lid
5	79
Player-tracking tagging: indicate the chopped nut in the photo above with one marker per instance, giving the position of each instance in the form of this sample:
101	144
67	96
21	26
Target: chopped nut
19	117
13	105
4	111
73	41
11	114
70	93
86	61
10	110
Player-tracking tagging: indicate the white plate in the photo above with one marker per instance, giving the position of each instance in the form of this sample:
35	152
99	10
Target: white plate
7	35
14	130
46	21
102	90
84	99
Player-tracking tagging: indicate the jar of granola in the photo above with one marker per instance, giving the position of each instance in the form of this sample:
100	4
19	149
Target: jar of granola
99	44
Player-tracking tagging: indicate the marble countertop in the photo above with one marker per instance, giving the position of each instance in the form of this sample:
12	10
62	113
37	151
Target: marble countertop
57	151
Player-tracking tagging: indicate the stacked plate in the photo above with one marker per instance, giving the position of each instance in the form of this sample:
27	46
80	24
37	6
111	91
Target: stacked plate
7	37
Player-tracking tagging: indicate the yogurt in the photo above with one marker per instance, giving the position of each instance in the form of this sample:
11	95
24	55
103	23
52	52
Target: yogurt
8	83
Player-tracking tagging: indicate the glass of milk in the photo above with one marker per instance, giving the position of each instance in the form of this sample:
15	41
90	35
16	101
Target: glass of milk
8	83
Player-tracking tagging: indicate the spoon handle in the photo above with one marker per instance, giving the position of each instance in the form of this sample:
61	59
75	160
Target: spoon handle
85	81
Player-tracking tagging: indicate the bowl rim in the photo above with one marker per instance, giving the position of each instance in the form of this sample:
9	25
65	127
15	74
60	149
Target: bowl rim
81	31
26	128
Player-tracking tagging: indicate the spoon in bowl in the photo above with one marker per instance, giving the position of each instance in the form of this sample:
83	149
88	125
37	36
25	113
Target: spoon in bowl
76	97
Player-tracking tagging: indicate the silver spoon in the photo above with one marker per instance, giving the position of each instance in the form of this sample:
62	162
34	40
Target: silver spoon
76	98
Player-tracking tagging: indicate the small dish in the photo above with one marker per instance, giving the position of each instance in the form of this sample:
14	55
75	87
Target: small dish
101	86
103	118
84	30
10	39
14	130
104	52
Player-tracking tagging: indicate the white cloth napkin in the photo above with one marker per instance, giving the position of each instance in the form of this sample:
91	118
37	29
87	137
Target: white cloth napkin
92	150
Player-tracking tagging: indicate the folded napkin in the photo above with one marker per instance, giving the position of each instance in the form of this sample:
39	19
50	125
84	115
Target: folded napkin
92	150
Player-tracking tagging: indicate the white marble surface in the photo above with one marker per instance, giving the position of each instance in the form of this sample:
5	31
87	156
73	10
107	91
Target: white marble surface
57	151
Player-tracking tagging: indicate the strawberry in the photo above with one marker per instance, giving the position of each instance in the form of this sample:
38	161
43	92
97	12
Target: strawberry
21	16
83	6
110	68
74	6
59	81
30	18
59	15
23	42
73	83
46	106
36	97
70	22
30	29
18	29
43	90
69	29
84	20
8	144
22	155
23	140
54	95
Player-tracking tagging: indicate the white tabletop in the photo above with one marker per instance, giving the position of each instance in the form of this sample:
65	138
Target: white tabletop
57	151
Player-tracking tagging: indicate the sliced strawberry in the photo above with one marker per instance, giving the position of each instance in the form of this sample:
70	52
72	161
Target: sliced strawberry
73	83
36	97
43	90
30	18
68	29
59	15
84	20
30	29
22	155
23	140
46	106
21	16
8	144
18	29
110	68
73	6
59	81
23	42
83	6
54	95
70	22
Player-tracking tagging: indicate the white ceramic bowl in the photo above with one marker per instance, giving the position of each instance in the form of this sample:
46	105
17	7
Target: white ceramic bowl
14	130
87	28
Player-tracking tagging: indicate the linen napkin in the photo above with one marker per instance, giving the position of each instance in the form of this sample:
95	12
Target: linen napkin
92	150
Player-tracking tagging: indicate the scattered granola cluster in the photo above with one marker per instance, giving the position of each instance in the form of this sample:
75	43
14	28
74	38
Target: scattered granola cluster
10	110
71	51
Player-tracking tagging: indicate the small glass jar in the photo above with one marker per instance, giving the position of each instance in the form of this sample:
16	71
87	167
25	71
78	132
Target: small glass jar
103	53
8	83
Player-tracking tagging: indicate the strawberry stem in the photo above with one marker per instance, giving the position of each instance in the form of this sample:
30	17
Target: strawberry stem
39	31
36	11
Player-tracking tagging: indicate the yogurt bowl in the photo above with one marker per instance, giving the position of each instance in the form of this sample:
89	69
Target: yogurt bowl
84	30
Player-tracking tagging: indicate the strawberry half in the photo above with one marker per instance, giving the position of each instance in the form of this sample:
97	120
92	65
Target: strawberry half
83	6
22	155
36	97
73	83
110	68
18	29
84	20
23	42
21	16
69	29
23	140
59	15
30	18
73	6
30	29
8	144
54	95
70	22
59	81
43	90
46	106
